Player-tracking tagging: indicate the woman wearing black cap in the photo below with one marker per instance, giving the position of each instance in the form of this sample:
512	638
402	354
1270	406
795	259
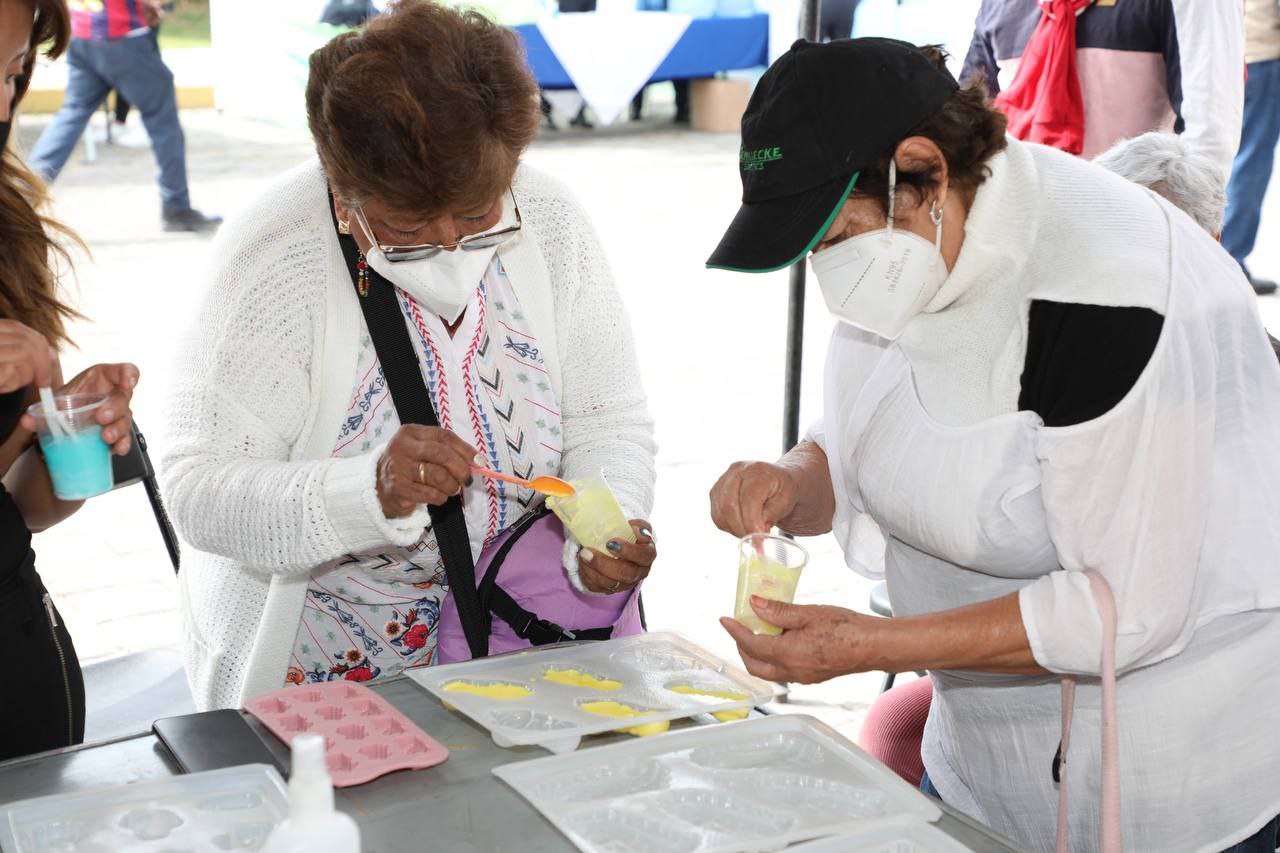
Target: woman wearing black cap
1048	419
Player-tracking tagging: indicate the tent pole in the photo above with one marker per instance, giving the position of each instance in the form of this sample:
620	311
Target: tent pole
809	10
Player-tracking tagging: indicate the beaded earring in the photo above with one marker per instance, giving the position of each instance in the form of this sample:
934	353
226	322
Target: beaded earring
362	275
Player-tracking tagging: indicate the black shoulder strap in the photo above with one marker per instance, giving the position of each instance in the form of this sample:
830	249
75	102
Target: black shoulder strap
399	363
526	624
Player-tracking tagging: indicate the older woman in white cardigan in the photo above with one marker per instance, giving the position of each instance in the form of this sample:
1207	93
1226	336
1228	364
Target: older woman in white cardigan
289	469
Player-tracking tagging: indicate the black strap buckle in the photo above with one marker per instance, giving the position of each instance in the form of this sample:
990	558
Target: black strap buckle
541	632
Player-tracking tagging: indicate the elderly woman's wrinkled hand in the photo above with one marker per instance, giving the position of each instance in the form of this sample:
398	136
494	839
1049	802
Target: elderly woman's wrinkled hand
422	465
817	642
752	497
623	566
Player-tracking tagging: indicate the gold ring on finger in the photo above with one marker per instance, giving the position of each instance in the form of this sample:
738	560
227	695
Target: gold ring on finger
422	473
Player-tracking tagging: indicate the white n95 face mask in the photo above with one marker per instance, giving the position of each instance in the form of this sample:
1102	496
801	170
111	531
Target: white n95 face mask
880	280
443	284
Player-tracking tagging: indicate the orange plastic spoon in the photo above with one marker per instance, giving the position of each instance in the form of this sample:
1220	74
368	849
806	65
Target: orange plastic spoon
546	485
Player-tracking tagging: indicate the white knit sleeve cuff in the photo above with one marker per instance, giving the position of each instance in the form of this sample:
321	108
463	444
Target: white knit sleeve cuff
351	499
570	562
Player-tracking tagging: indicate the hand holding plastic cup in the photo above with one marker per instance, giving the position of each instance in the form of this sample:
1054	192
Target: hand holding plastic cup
79	461
592	514
770	567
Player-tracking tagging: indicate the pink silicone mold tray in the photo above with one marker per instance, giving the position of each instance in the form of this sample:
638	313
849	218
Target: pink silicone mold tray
366	737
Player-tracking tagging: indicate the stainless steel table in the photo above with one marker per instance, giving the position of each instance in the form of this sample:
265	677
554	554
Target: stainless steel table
456	806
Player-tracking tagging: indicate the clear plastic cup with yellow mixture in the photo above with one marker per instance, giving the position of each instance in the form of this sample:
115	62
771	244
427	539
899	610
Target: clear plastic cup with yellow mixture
770	567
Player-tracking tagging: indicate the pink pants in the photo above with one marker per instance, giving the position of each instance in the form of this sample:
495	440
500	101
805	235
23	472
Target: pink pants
895	726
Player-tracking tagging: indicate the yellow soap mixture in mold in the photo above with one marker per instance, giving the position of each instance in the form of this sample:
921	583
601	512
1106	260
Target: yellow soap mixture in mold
576	678
722	716
691	690
491	690
730	716
610	708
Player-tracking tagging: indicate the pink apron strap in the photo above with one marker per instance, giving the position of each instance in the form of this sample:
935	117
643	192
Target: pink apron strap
1109	828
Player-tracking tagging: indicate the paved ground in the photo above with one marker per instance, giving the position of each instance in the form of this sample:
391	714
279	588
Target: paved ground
711	344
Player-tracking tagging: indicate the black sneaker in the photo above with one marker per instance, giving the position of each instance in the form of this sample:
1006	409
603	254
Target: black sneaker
190	220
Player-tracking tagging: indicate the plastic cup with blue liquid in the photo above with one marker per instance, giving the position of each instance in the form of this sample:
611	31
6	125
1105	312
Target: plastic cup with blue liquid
79	461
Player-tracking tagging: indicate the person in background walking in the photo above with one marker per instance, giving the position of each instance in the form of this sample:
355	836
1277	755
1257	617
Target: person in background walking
110	49
118	133
1085	75
1259	134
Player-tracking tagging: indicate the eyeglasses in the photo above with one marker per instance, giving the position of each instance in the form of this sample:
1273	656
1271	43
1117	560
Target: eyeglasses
423	251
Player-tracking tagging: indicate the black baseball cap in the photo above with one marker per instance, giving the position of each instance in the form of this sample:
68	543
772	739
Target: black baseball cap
818	116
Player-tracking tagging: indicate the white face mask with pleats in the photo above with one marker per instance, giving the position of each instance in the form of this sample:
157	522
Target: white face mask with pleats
879	281
443	284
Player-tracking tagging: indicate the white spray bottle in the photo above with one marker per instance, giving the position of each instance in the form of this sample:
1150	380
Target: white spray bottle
313	825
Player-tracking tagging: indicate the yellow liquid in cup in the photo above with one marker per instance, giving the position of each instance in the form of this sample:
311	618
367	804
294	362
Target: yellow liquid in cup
767	579
592	515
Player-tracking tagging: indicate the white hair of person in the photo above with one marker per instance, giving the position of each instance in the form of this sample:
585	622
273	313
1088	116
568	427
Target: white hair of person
1167	165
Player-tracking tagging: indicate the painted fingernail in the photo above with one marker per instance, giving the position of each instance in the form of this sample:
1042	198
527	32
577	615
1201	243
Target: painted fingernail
614	547
469	481
587	555
480	461
647	534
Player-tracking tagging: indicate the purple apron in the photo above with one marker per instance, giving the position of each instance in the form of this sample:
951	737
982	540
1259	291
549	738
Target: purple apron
531	573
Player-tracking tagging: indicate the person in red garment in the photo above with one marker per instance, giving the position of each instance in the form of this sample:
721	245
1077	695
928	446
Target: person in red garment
1082	75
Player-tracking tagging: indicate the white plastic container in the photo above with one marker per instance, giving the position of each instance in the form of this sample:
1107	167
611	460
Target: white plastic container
658	676
220	810
313	825
751	786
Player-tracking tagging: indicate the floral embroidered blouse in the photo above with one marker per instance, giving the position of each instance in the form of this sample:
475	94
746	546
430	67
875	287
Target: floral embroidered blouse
373	615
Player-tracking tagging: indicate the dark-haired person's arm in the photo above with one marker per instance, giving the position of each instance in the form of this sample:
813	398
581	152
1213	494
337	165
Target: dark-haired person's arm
27	478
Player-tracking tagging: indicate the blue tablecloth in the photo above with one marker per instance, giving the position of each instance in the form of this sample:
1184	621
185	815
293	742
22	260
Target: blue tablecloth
708	46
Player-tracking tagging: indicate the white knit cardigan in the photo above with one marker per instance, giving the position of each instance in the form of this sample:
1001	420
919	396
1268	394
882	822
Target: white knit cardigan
266	377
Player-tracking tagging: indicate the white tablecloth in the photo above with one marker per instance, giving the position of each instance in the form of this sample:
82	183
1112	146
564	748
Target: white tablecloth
611	54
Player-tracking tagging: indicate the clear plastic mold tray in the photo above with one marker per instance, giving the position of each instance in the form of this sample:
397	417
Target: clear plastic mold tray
222	810
553	696
751	786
